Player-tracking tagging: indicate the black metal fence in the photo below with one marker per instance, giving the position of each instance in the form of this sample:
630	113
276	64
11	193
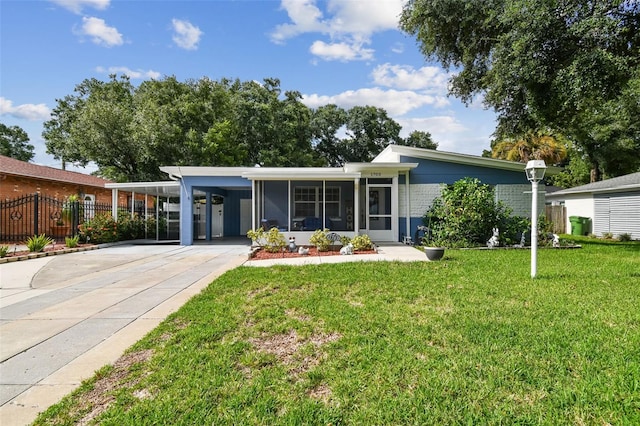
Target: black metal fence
36	214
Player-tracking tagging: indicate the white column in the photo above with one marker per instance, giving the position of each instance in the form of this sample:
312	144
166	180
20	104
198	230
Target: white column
356	206
534	228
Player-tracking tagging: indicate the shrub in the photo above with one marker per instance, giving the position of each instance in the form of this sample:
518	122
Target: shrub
607	236
465	214
272	241
37	243
71	242
361	242
320	240
624	237
101	229
4	250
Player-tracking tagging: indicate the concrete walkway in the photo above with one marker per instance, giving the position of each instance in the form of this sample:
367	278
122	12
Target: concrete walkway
64	317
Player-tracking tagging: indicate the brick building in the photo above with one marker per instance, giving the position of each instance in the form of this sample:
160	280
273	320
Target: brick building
18	178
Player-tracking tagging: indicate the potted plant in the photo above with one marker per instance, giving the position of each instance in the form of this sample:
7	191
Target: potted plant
434	249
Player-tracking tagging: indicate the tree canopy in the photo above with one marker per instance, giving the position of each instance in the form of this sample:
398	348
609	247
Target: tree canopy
571	66
129	131
14	143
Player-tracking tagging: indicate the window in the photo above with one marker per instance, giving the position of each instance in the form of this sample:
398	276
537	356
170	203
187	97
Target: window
308	201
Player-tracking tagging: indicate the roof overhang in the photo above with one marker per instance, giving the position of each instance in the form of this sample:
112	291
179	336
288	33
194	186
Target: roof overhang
299	173
393	153
158	189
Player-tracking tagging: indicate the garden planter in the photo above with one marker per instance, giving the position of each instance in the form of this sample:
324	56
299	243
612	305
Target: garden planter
434	253
60	231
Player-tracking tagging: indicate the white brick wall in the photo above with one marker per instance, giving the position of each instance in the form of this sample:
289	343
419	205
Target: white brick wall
518	197
422	196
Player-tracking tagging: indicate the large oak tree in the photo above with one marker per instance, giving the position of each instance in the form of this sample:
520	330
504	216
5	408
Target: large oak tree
566	65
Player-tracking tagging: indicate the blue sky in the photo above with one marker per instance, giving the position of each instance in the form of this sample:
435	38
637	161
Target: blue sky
347	52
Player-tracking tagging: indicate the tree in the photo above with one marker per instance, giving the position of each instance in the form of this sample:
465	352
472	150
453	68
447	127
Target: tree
14	143
369	131
420	139
539	63
532	146
326	121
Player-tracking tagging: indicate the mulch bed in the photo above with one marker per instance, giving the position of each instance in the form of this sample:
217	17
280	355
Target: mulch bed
263	254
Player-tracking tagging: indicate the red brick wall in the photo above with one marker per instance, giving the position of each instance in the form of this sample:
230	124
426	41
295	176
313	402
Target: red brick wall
12	187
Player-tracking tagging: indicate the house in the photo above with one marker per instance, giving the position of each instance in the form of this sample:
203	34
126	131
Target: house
18	178
612	205
385	198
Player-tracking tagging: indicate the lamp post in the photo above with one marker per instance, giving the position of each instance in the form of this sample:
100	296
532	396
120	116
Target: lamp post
535	172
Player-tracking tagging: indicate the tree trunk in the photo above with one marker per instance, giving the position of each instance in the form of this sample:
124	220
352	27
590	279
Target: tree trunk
595	174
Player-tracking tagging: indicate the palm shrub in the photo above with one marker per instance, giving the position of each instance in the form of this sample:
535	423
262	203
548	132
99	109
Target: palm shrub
37	243
72	242
4	250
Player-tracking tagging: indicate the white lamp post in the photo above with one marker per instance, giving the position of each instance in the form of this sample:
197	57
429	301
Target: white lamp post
535	172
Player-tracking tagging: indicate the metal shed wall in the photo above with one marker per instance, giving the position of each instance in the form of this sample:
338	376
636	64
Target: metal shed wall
618	213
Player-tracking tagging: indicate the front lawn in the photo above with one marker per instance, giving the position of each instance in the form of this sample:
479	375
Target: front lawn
472	339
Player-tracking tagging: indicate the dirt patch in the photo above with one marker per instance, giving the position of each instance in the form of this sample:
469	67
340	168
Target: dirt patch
98	399
313	251
287	349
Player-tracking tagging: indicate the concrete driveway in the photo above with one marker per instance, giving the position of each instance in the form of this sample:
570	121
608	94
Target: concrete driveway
63	317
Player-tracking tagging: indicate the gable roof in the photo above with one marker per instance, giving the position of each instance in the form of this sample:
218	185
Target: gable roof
392	153
628	182
11	166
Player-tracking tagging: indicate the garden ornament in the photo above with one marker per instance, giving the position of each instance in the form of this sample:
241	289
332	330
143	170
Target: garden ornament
304	251
494	241
347	250
292	244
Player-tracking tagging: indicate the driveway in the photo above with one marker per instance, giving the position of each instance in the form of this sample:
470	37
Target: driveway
63	317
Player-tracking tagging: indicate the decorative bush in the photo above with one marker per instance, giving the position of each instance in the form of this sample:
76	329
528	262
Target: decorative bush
101	229
624	237
37	243
465	214
71	242
320	240
361	242
272	241
4	250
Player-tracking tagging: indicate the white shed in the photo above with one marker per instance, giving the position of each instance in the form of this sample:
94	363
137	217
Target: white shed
613	205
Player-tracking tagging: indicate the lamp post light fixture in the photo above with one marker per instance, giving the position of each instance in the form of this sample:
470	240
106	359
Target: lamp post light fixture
535	172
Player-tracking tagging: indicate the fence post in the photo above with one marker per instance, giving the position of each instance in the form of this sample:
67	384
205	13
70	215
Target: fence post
36	214
75	217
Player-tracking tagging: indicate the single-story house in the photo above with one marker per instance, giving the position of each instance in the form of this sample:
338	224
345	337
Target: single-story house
18	178
384	199
612	205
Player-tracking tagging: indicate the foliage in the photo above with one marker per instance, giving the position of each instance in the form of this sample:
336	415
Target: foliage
465	214
361	242
4	250
37	243
272	240
568	66
72	242
14	143
420	139
102	228
541	145
470	341
320	239
624	237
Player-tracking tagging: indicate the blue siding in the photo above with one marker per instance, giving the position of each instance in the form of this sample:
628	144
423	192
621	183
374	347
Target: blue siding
430	171
232	212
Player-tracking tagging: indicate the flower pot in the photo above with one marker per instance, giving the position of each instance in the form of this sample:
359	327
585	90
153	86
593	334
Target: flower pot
434	253
60	231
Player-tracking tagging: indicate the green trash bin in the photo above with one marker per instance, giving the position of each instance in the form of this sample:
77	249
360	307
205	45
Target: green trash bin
586	225
576	225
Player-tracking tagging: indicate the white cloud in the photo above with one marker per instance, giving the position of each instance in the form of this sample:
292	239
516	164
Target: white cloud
349	25
187	36
25	111
137	74
432	80
395	102
76	6
100	32
450	134
340	51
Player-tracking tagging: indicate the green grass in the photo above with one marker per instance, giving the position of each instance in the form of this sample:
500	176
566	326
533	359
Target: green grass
472	339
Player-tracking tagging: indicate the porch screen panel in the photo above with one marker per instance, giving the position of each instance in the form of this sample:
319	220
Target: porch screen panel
307	205
275	215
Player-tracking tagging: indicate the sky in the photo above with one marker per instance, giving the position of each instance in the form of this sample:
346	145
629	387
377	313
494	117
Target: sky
345	52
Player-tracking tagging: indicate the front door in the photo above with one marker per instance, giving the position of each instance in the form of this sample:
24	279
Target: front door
379	218
217	219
